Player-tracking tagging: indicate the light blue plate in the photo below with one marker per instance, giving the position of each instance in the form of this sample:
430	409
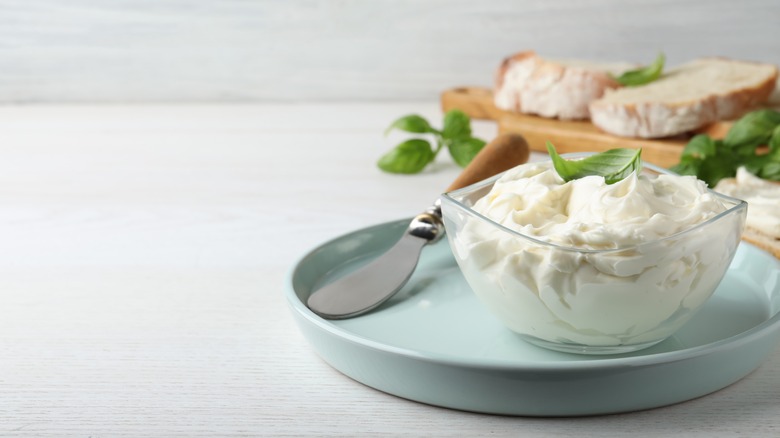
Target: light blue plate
436	344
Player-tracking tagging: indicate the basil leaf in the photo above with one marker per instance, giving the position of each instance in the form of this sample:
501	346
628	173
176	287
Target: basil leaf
712	160
410	156
753	164
753	129
411	123
712	171
700	146
613	165
464	150
688	165
774	144
456	125
645	75
771	170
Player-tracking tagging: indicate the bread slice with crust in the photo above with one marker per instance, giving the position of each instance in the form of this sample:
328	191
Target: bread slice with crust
766	242
685	98
762	227
529	84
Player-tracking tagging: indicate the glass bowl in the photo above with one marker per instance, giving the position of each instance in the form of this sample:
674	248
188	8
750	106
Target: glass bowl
590	301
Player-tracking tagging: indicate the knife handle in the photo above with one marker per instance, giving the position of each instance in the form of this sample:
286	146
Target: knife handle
503	153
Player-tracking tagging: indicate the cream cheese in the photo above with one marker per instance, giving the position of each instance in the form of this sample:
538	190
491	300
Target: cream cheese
763	198
574	292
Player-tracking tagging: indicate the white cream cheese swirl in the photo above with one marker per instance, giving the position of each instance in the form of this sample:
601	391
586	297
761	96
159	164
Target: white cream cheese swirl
641	291
587	213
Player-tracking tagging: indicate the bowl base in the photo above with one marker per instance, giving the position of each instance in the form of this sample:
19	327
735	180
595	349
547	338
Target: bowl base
588	349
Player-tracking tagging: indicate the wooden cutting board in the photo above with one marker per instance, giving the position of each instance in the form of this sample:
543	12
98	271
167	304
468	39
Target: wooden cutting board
567	136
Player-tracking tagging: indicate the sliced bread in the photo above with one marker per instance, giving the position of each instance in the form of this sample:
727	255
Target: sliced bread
685	98
527	83
767	243
762	227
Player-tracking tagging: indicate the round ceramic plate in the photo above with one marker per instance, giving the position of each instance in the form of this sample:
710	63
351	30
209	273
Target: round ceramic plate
435	343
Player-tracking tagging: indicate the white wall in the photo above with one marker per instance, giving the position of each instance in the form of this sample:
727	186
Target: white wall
265	50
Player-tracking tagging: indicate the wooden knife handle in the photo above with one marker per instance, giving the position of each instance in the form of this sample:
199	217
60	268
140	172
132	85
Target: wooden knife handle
504	152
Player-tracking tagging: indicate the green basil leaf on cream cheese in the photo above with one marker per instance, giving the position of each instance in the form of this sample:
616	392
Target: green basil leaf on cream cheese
613	165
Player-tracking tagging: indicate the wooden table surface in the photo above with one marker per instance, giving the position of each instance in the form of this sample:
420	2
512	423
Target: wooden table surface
144	255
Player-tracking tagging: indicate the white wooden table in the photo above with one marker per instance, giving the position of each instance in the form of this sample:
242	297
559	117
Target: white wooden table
144	251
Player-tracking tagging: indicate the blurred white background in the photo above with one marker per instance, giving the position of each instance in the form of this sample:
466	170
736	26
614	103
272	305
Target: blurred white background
332	50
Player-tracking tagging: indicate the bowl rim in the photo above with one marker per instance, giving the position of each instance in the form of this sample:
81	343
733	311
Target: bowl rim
450	198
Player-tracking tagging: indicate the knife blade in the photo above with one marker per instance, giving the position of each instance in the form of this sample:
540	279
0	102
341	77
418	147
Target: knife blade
368	287
379	280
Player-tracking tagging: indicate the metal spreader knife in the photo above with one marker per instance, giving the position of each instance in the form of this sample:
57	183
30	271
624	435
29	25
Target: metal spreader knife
370	286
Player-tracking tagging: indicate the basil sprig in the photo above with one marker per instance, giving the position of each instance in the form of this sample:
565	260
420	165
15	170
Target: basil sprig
614	164
711	160
413	155
645	75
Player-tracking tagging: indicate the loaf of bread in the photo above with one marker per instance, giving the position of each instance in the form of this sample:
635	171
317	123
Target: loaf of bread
685	98
527	83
